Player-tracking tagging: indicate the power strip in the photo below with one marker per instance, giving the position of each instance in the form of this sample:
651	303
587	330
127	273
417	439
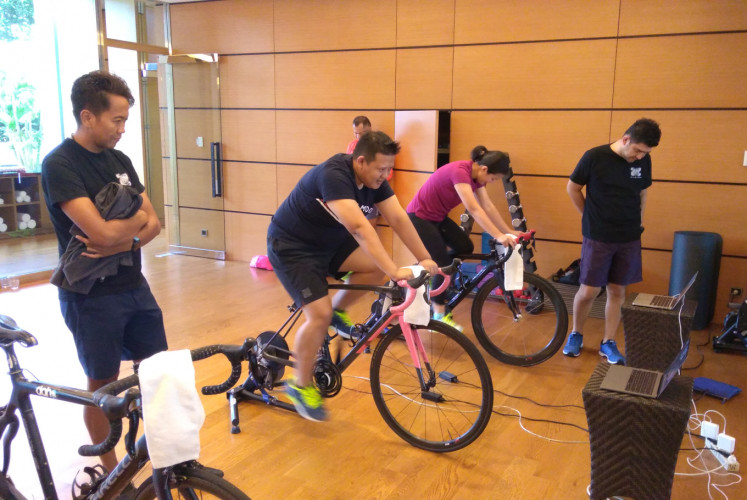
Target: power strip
729	464
716	453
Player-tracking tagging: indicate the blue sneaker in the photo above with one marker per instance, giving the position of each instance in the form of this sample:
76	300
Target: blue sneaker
307	400
609	350
574	344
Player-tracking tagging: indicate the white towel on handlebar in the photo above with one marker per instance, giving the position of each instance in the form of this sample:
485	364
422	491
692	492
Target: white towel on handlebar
419	312
513	268
172	411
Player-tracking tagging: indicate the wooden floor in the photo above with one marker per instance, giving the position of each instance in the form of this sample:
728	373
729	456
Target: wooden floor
278	455
20	256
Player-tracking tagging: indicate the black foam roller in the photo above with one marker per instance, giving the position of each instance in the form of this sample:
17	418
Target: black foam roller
697	251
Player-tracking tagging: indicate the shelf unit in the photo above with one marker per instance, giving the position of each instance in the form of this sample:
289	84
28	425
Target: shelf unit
11	185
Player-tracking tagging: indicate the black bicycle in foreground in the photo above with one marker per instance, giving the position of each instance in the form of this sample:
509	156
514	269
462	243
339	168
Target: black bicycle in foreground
185	480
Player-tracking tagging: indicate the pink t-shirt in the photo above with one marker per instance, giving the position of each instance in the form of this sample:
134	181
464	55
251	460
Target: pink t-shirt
437	197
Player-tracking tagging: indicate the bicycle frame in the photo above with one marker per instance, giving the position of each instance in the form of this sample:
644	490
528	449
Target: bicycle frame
495	267
466	287
20	400
414	344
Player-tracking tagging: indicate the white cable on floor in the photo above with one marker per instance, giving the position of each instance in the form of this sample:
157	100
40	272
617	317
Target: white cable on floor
521	424
694	419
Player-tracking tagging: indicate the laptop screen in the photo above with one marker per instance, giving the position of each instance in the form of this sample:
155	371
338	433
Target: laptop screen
674	366
687	287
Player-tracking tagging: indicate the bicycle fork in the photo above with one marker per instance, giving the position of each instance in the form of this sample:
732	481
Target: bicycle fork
417	353
508	298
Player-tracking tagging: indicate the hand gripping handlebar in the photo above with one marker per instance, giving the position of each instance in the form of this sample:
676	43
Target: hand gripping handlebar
414	283
504	254
420	280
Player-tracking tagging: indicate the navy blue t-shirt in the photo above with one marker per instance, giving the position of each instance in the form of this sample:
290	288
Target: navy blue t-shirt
303	215
612	213
71	171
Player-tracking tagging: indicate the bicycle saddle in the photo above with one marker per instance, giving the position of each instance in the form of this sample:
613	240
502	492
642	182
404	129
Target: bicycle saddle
10	332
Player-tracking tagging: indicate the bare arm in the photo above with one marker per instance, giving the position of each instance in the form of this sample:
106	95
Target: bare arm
401	224
146	233
495	225
487	204
153	227
577	197
644	194
100	232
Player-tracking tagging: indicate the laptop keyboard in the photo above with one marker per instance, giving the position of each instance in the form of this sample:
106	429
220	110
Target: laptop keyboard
663	301
641	382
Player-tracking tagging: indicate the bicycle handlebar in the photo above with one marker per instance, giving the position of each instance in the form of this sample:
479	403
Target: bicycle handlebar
116	408
414	283
235	355
525	237
420	280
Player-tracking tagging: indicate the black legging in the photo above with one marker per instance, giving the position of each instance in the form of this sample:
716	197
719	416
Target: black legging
443	240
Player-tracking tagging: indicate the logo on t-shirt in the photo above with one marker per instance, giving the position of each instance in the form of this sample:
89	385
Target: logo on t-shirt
366	209
124	179
635	172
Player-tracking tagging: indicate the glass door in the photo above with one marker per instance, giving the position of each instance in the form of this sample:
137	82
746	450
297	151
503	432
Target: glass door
192	166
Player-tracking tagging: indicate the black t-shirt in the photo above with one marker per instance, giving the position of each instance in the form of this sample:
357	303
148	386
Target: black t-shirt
71	171
303	215
612	212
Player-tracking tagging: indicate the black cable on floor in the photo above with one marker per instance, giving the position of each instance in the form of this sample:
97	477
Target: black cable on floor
522	417
535	402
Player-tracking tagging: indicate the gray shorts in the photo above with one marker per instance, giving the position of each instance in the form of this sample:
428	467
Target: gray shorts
616	263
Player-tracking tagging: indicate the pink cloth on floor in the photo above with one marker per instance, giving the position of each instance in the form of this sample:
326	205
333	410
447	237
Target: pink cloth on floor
261	262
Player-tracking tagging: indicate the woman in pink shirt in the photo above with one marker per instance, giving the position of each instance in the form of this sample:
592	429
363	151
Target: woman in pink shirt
459	182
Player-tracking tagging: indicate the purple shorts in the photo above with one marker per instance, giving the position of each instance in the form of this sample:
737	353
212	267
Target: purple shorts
617	263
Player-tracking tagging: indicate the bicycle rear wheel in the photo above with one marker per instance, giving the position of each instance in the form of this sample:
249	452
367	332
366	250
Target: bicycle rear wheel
534	336
455	407
193	483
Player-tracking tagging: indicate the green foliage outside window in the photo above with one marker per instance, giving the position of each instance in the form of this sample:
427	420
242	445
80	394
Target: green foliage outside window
19	113
20	121
16	19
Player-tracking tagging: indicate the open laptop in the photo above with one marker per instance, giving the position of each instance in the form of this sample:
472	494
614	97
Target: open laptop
663	301
640	382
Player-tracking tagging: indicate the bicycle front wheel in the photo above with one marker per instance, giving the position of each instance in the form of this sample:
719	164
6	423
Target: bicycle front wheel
193	483
454	406
523	329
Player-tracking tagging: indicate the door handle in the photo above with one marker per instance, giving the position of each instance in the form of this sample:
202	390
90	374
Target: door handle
216	170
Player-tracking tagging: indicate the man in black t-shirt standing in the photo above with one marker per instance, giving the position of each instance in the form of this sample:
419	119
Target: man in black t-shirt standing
617	177
320	230
119	318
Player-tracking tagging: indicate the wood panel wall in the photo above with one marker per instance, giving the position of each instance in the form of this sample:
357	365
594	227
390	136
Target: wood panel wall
294	73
